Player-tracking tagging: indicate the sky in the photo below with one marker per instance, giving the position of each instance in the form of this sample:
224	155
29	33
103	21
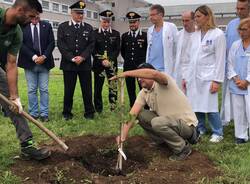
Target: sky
178	2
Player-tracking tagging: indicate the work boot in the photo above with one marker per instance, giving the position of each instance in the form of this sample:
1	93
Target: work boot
30	152
186	151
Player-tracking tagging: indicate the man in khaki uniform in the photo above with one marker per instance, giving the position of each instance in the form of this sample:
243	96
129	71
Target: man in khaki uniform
170	119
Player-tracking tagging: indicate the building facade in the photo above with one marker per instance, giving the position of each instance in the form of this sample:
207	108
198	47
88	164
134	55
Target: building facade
57	11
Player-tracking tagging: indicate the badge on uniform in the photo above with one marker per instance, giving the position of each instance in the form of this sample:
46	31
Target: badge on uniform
209	42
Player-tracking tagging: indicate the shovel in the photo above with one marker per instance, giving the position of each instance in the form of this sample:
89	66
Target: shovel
38	124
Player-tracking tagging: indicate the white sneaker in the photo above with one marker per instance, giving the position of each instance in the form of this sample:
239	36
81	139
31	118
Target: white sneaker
216	138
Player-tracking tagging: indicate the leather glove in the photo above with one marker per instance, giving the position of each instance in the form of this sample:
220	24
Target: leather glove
17	108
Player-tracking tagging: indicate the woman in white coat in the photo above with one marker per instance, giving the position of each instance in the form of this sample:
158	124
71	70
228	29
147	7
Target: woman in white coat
206	71
238	73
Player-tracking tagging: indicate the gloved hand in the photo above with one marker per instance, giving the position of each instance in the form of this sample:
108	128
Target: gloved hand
17	108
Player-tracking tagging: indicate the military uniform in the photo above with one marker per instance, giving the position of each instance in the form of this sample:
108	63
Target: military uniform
106	42
76	40
133	51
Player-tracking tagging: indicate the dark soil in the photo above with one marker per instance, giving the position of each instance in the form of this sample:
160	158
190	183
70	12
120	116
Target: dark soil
92	159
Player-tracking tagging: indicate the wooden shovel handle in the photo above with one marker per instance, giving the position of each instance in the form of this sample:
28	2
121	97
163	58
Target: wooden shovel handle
38	124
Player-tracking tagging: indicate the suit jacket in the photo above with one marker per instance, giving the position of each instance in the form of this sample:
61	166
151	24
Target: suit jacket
109	42
133	50
47	43
75	42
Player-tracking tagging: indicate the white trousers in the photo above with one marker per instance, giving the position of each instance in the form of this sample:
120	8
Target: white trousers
241	115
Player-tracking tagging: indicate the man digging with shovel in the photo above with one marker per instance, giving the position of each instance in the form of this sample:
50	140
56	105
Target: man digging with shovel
170	119
21	12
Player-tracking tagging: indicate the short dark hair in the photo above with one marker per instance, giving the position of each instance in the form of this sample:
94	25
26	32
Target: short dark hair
158	8
146	65
29	4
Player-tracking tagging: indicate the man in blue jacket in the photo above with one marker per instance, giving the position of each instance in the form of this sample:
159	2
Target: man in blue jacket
36	58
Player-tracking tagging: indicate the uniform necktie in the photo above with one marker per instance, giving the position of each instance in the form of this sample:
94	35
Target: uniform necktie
36	44
133	34
77	26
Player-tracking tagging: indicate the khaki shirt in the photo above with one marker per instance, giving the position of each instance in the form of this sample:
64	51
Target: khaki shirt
168	101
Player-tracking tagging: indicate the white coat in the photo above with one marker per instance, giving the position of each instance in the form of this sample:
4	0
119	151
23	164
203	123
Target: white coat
207	64
169	45
181	68
240	115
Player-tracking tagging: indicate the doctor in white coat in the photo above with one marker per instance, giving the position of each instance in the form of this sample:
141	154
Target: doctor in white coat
161	38
182	52
238	73
206	71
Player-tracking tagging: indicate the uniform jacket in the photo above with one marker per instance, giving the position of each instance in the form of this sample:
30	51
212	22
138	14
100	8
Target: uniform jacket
133	50
73	42
47	43
169	45
109	42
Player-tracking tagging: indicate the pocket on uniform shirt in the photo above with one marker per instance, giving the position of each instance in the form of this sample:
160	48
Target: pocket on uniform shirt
205	72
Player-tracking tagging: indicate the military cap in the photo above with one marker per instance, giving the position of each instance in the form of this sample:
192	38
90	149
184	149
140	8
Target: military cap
133	16
107	14
78	6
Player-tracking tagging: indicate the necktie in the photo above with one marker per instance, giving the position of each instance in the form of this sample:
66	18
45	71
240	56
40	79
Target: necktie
133	34
36	44
77	26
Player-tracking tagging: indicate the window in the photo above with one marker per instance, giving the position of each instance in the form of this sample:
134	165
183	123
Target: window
113	4
88	14
8	1
45	5
65	8
55	7
55	24
95	15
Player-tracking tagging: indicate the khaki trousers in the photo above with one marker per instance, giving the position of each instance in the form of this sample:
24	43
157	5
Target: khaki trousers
161	130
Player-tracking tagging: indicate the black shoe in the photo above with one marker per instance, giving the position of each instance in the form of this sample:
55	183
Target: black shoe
240	141
32	152
89	116
194	139
67	116
44	118
186	151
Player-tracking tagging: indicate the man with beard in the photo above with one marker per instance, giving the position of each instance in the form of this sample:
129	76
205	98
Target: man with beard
20	13
170	119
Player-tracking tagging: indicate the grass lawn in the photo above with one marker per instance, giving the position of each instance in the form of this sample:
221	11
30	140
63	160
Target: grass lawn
233	160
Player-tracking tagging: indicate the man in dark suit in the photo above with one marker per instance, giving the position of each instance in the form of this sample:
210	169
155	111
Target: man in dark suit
36	58
75	42
133	51
107	49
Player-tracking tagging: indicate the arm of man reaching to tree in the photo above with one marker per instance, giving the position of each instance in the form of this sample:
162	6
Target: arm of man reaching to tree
135	110
144	73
